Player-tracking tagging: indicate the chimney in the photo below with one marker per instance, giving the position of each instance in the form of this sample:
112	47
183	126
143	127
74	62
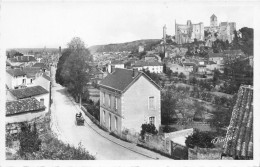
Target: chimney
41	103
135	72
60	50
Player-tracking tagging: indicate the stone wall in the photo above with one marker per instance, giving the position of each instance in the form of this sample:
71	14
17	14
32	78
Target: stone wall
204	153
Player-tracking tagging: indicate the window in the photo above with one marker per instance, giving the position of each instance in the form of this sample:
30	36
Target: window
103	98
116	103
109	100
104	116
115	123
151	120
31	80
24	81
151	103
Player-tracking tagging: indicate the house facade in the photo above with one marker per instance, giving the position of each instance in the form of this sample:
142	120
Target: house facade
153	67
15	78
128	99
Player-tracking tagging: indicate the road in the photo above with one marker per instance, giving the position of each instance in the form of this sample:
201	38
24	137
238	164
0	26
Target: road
63	120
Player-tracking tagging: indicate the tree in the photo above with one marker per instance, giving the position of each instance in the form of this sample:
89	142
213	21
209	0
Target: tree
198	116
74	71
148	128
28	139
169	103
164	68
182	76
58	77
216	74
199	139
155	77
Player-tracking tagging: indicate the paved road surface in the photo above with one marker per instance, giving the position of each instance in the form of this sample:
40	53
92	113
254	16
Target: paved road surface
63	120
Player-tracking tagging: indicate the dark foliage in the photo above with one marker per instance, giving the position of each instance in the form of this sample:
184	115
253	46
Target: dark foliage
148	128
28	139
199	139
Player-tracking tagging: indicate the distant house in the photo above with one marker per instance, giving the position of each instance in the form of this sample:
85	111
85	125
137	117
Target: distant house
140	48
43	67
211	65
15	78
189	66
115	64
153	67
179	69
240	131
37	92
25	60
152	57
216	57
201	69
31	74
96	74
43	81
24	110
128	99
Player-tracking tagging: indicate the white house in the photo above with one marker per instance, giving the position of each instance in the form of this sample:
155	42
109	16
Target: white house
128	99
15	78
153	67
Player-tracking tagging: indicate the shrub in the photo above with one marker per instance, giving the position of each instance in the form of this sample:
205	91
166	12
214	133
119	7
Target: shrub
28	139
199	139
168	129
148	128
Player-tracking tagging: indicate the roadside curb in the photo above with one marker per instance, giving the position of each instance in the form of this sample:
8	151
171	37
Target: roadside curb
113	139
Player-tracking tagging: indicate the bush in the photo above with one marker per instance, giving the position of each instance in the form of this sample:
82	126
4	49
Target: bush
168	129
28	139
199	139
148	128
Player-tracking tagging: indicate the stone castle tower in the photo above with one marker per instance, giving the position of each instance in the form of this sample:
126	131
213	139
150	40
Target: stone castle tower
164	33
213	21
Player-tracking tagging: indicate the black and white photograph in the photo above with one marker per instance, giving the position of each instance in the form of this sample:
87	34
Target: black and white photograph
129	80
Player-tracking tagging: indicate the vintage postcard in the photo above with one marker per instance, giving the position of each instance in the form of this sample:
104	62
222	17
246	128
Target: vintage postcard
129	80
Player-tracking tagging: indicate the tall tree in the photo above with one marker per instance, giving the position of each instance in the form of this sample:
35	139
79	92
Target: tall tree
76	67
169	103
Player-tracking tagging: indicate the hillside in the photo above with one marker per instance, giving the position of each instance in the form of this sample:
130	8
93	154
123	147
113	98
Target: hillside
128	46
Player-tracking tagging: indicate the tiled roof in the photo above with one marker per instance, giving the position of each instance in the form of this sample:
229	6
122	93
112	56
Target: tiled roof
211	62
146	63
8	64
16	72
241	126
121	79
41	65
117	62
28	92
23	59
46	77
23	106
31	71
95	70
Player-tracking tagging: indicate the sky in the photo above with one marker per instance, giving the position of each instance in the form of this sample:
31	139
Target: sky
28	24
